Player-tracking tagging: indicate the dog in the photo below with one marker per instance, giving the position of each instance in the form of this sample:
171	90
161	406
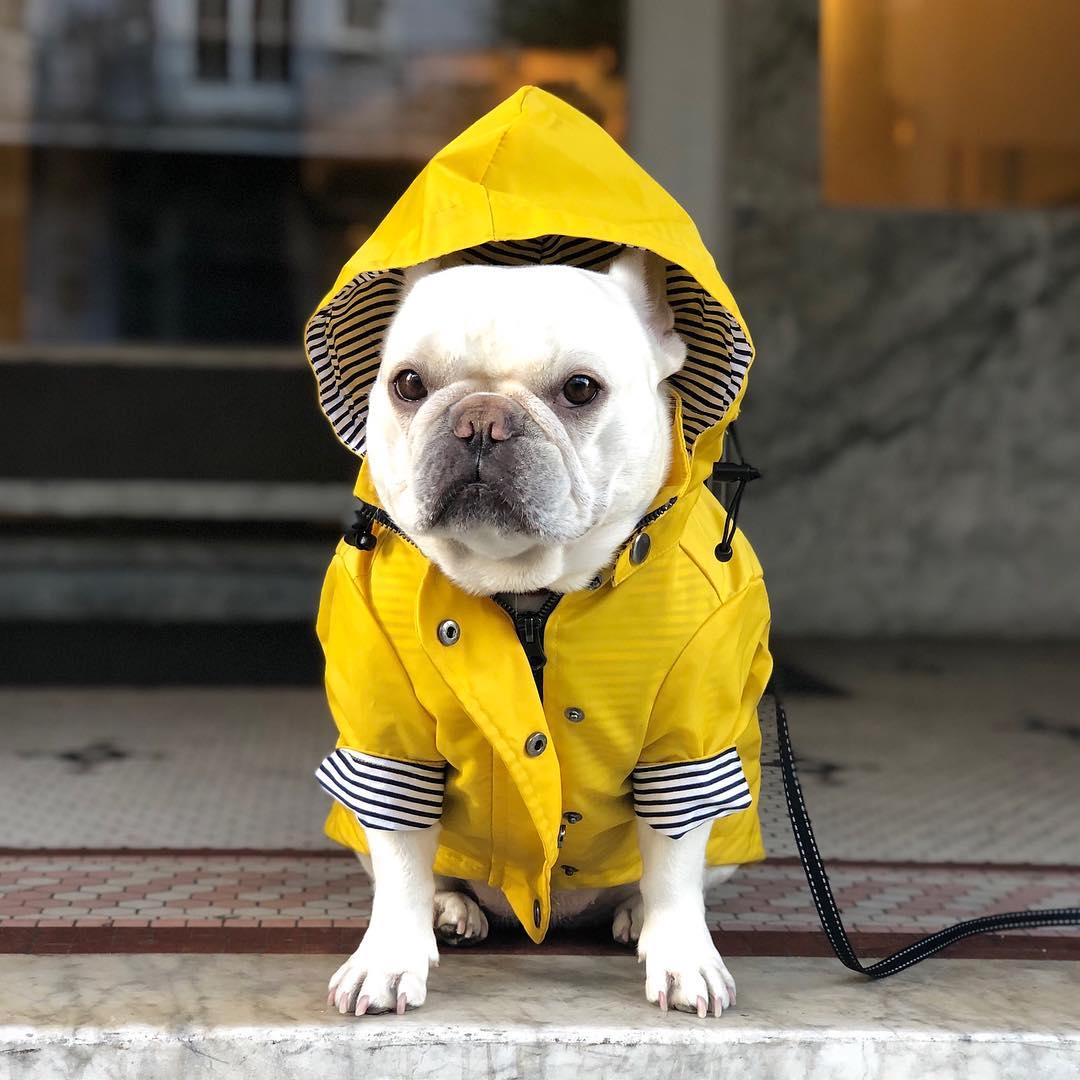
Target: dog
519	428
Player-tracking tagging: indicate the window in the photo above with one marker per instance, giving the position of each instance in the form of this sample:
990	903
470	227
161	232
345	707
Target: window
249	173
272	44
969	103
212	42
11	14
363	14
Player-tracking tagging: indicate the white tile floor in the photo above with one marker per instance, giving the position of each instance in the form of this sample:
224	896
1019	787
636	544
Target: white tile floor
956	753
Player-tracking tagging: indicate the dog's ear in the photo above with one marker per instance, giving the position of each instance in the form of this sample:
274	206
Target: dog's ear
643	277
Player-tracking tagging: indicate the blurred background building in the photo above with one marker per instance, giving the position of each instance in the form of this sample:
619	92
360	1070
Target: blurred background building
891	189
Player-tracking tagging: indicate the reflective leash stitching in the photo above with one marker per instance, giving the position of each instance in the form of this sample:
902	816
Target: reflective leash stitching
829	913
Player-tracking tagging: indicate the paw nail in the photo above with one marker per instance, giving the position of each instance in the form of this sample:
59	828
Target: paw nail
663	1001
401	1004
702	1009
362	1005
717	1009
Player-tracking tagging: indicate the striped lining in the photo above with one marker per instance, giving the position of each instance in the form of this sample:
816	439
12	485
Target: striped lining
344	338
384	793
673	798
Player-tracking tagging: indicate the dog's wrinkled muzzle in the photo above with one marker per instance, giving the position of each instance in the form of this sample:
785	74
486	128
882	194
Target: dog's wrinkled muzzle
488	465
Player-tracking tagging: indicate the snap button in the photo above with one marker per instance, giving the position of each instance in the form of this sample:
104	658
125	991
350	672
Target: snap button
536	744
569	871
562	835
574	715
639	549
449	633
536	914
572	816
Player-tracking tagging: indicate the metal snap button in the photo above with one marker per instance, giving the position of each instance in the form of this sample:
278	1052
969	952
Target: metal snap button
449	633
562	835
569	871
572	816
536	744
574	715
536	913
639	549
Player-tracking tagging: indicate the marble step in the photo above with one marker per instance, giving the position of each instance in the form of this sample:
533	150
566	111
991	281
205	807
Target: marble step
160	1017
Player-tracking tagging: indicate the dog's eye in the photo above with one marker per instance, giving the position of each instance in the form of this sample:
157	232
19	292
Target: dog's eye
409	386
580	389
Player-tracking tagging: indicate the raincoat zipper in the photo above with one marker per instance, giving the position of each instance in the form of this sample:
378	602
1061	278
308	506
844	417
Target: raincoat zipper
529	627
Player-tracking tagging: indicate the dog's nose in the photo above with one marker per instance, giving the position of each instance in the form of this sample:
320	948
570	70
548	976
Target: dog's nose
488	418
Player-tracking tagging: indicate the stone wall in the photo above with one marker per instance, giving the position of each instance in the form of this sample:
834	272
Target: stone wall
916	400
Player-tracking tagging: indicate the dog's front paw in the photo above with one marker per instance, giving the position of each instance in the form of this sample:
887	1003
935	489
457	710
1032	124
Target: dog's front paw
389	970
683	970
459	919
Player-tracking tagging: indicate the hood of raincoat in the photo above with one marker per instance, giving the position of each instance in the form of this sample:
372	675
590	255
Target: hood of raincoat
533	182
646	709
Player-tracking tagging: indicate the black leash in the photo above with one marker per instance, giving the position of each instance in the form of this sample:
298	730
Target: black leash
739	473
829	913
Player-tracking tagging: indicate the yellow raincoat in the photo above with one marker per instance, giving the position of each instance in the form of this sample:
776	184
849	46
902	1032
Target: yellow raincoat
653	674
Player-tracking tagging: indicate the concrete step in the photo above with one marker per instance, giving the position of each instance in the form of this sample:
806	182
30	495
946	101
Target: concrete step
159	1017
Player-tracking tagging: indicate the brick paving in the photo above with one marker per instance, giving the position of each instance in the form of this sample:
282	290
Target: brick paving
296	891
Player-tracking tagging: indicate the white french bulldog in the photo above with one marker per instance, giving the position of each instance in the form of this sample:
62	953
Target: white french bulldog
554	374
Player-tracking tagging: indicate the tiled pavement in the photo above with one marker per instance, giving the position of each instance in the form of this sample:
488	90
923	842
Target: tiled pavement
227	891
929	753
943	783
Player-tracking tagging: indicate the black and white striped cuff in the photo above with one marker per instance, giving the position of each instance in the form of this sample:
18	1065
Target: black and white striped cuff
384	793
673	798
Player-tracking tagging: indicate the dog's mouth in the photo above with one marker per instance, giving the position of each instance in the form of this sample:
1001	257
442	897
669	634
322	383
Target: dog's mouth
479	503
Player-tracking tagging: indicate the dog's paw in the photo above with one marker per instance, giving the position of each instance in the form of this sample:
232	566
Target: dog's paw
389	970
626	924
683	970
458	919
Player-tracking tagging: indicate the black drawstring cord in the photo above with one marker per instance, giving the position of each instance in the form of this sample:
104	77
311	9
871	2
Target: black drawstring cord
736	472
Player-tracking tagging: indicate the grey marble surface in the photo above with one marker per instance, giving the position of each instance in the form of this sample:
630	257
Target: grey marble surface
914	401
151	1017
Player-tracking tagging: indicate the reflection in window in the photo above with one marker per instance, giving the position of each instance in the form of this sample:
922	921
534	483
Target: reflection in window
212	43
157	175
11	14
970	103
363	14
272	45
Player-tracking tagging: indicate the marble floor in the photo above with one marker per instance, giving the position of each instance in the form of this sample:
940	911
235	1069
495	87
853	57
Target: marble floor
160	1017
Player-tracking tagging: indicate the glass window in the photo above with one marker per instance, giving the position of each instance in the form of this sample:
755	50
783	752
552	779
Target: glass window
11	13
212	42
970	103
363	14
272	40
196	172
